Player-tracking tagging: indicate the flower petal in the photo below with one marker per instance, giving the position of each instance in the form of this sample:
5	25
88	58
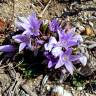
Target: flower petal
29	45
68	52
18	38
59	63
50	64
27	32
53	25
72	43
32	17
69	66
74	57
22	46
34	22
52	40
56	51
21	38
48	46
25	25
32	25
36	32
7	48
69	34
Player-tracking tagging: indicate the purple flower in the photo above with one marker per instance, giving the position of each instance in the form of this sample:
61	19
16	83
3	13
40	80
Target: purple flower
7	48
67	40
56	51
54	25
32	25
51	60
53	47
66	59
56	54
24	40
52	42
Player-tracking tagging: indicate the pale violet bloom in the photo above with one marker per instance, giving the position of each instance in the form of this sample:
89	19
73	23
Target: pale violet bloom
58	57
31	25
24	40
67	40
52	42
51	60
53	47
59	53
65	59
54	25
56	51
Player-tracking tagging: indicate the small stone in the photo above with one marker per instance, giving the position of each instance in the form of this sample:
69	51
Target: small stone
81	28
45	80
91	24
66	93
48	87
59	91
79	88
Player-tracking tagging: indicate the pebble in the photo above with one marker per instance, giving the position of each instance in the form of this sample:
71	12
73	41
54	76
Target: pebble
79	88
59	91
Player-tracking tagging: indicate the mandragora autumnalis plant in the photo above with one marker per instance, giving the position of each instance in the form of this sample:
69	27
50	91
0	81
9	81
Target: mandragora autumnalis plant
54	44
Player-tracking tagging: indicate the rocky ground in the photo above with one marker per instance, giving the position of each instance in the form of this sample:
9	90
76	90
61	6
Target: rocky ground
82	15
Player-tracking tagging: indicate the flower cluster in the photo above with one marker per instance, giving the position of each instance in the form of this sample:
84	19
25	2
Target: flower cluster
62	50
59	50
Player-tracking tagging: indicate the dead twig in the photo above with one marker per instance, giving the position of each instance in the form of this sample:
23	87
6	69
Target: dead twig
4	66
92	46
89	42
12	72
34	8
40	3
45	9
27	90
